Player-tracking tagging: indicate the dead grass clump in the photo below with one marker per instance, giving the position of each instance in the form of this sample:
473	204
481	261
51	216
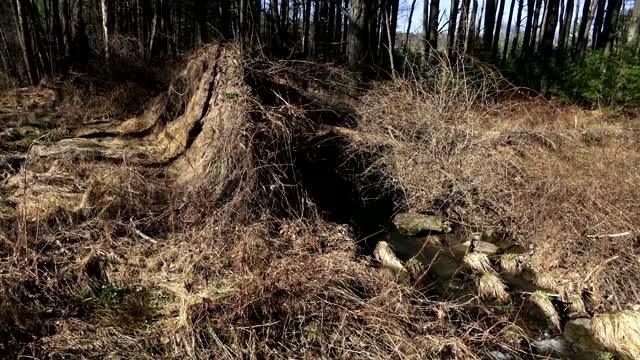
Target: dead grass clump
619	332
490	286
478	262
510	264
543	301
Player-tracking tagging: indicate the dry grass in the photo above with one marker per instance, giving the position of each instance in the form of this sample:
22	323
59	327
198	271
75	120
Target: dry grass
543	301
619	332
478	262
510	264
490	286
556	179
148	263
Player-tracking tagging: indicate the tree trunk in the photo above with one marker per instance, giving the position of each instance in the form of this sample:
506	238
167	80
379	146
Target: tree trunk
434	13
345	29
337	32
316	27
406	35
634	27
489	23
549	30
395	4
463	27
506	38
472	25
425	29
480	17
331	21
284	22
105	31
565	26
358	38
453	20
527	29
585	24
536	22
24	36
496	36
306	15
610	27
597	23
57	27
514	44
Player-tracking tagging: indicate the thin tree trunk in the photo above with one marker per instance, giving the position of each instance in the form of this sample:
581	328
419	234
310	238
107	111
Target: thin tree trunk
331	23
597	23
496	36
337	33
536	22
585	25
316	27
57	27
463	30
426	29
489	24
105	31
480	17
358	38
610	26
24	36
527	29
406	35
472	25
549	30
453	21
565	28
506	38
395	4
305	24
634	28
574	34
434	13
514	44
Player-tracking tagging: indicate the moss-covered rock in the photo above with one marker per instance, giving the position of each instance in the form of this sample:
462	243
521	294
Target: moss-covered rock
417	224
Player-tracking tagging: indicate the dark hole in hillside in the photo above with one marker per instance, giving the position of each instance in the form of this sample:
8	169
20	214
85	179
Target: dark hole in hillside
337	179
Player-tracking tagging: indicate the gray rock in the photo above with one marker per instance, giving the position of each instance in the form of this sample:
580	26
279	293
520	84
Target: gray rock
484	247
578	332
417	224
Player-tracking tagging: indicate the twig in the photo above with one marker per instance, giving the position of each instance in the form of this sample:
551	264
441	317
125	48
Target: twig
610	235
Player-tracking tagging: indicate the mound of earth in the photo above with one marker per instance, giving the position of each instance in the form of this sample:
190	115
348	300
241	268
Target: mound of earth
250	211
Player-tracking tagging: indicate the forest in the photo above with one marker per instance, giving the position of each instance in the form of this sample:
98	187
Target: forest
584	51
320	179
